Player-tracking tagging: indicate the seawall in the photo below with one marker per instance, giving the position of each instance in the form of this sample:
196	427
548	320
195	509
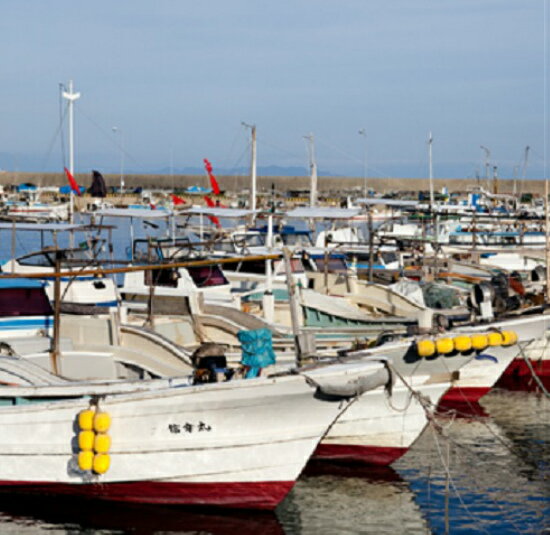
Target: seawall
236	184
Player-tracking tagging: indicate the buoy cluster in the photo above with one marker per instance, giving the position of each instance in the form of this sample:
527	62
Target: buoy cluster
94	442
464	343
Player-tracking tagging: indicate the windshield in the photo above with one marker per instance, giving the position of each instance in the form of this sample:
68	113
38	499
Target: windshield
207	276
248	240
24	302
297	239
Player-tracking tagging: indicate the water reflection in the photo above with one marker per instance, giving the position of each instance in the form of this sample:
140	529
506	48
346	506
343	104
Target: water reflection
331	498
61	516
498	469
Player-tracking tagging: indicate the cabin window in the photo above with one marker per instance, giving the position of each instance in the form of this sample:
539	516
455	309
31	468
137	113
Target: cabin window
388	257
248	240
303	240
296	266
333	264
143	252
36	259
162	277
206	276
24	302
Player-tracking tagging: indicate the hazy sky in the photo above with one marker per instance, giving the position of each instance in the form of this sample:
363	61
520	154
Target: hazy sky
177	77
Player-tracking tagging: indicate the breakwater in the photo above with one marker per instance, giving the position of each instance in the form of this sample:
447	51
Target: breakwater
236	184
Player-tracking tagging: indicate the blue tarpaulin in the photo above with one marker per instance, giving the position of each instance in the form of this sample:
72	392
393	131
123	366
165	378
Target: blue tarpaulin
67	189
198	189
257	348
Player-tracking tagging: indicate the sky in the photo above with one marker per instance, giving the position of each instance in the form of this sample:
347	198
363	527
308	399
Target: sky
178	77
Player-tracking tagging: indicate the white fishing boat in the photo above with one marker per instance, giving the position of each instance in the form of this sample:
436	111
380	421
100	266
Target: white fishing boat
240	443
448	371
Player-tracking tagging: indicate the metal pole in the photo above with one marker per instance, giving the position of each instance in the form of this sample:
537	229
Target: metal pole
313	171
547	214
294	305
70	96
371	244
253	177
363	133
430	141
54	355
115	130
13	246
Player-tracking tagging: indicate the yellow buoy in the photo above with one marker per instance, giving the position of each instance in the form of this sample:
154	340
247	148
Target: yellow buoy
85	460
425	348
101	463
86	440
102	443
479	341
86	420
102	422
495	339
444	345
509	338
462	343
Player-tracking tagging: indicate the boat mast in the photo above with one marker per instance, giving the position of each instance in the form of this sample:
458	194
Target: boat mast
363	133
487	158
71	96
431	171
312	170
253	178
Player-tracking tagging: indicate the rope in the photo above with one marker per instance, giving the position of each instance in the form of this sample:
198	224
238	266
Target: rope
448	475
61	121
54	137
443	431
534	373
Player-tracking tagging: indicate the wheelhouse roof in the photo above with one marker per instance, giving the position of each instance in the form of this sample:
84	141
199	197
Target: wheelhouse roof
218	211
137	213
371	201
323	213
48	227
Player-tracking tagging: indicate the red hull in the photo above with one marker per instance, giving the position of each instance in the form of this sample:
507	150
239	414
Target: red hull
261	495
461	395
518	376
359	454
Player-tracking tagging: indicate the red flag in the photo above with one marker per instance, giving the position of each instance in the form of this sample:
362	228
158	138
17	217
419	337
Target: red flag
209	202
72	182
152	206
177	200
213	181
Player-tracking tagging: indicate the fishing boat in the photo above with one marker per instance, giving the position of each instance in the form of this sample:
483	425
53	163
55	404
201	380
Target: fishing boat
240	443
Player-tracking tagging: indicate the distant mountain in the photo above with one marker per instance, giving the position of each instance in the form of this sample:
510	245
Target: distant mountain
269	170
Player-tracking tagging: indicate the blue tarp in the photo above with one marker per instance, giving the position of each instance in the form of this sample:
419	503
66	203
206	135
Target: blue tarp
26	187
198	189
257	348
67	189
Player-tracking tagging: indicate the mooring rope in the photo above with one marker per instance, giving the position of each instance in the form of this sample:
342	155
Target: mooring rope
537	379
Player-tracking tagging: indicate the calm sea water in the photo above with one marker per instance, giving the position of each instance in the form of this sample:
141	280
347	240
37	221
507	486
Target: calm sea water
498	479
484	474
